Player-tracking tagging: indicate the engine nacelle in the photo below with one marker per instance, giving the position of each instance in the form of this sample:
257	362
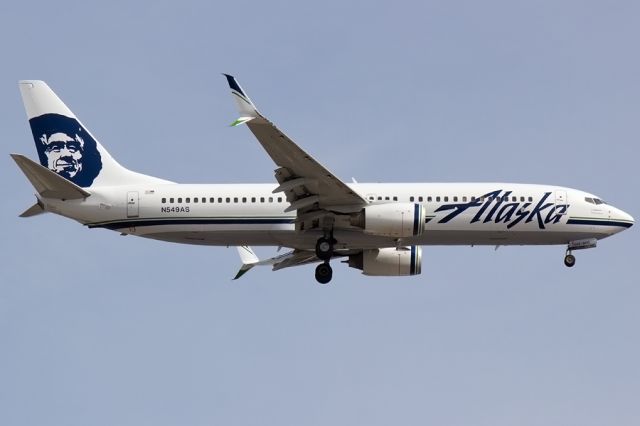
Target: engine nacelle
397	220
389	262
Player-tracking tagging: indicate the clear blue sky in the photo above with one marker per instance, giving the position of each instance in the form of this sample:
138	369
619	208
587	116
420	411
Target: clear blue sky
101	329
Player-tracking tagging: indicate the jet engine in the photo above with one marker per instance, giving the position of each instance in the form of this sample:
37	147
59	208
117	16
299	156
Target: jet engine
388	262
397	220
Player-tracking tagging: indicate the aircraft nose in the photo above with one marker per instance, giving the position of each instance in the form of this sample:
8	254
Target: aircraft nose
625	218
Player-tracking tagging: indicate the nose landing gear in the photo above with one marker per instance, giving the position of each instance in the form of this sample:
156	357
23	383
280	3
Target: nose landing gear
569	259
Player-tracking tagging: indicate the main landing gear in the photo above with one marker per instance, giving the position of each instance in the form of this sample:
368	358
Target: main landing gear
324	251
324	272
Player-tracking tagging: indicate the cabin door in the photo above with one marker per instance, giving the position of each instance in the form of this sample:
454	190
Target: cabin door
561	200
132	204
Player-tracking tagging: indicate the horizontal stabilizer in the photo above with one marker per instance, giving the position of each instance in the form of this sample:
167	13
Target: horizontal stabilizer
286	260
34	210
47	183
248	259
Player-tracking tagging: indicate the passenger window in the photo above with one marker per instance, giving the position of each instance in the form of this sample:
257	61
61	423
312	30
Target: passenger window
220	200
411	198
164	200
438	199
188	200
179	200
244	199
464	199
530	198
228	200
371	198
446	199
473	199
395	198
429	199
204	199
171	200
455	199
195	199
522	199
253	199
379	198
235	199
271	199
420	198
514	198
386	198
279	199
212	200
262	199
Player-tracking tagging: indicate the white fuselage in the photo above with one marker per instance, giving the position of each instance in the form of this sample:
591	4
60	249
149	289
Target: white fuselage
250	214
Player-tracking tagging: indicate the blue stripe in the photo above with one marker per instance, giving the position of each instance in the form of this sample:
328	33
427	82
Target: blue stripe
416	217
599	222
186	221
412	268
233	84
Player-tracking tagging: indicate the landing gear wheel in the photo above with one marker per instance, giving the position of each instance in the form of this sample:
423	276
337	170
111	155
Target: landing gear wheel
569	260
324	248
324	273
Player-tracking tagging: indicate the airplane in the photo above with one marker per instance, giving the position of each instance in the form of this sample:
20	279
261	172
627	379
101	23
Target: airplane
378	228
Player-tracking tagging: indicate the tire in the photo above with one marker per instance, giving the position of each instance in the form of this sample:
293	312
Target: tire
569	260
324	249
324	273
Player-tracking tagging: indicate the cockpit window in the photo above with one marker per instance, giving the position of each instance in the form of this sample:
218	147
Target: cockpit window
596	201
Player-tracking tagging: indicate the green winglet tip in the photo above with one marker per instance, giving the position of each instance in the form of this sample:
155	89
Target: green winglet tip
240	121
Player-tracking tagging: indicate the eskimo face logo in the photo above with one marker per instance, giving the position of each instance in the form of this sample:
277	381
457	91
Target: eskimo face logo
63	153
66	148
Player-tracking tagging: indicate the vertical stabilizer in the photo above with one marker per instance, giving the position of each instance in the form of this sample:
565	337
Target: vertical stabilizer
65	146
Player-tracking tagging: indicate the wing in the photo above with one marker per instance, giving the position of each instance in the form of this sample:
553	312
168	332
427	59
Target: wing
310	188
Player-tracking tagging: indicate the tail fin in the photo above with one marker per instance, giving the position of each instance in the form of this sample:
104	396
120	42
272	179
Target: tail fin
66	147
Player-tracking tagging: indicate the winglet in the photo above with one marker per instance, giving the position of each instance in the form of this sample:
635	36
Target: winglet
246	108
248	259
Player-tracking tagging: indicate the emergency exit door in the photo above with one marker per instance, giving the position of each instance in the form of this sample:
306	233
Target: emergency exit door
132	204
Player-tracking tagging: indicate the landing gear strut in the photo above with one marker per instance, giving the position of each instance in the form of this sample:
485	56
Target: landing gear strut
324	272
569	259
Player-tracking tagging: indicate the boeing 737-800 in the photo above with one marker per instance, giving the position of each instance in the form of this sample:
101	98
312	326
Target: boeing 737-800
378	227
